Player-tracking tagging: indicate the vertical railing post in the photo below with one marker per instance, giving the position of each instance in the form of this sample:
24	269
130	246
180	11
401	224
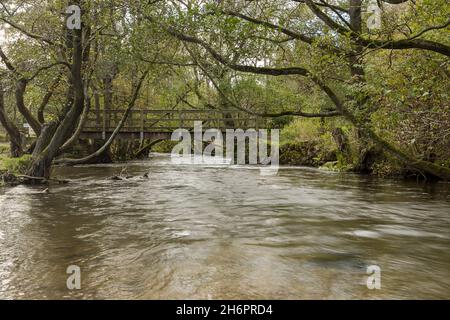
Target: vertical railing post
97	109
180	114
142	126
104	125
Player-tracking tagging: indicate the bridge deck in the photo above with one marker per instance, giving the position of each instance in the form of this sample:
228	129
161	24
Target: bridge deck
159	124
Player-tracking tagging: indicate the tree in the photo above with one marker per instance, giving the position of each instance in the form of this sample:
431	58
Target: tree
72	50
337	37
304	58
10	127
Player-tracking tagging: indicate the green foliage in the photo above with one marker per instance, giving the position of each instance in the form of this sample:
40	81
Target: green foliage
164	146
307	142
280	122
4	148
300	130
403	98
15	165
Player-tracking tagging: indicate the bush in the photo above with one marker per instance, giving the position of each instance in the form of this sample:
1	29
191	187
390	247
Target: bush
301	130
307	142
16	165
165	146
4	148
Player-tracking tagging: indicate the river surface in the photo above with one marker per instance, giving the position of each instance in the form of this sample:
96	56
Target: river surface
223	232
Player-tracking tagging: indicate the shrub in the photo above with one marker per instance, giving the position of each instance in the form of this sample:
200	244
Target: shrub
4	148
165	146
16	165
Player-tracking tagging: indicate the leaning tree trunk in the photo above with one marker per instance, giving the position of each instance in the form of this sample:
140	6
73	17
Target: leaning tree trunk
41	165
116	131
55	135
15	137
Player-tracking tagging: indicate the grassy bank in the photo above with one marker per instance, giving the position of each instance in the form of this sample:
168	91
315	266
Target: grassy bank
4	153
14	165
8	164
310	142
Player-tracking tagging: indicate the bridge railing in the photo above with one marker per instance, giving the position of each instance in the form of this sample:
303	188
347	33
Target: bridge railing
147	121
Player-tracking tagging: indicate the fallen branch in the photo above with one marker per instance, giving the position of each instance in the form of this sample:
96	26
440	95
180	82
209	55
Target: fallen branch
42	179
12	179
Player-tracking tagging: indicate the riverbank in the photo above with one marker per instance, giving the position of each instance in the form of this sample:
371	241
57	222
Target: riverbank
321	152
317	152
4	153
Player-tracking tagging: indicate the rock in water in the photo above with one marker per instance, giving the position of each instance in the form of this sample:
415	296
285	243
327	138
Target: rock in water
115	178
9	178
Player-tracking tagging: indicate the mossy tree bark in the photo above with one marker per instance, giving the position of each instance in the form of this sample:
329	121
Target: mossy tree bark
16	149
51	141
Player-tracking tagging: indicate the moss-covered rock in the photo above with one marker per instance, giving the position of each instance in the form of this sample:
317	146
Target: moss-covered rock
337	166
330	166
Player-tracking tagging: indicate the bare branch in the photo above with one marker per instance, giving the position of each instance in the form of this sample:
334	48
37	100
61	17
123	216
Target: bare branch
116	130
29	34
39	70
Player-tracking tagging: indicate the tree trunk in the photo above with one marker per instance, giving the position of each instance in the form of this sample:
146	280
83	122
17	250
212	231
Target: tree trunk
343	144
116	131
145	150
15	150
41	163
21	87
46	99
365	145
15	137
55	134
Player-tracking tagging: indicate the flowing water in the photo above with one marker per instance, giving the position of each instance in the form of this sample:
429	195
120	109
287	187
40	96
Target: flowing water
212	232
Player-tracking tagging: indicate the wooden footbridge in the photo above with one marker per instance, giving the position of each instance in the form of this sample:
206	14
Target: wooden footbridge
152	125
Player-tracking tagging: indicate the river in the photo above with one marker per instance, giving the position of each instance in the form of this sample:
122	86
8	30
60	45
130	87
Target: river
224	232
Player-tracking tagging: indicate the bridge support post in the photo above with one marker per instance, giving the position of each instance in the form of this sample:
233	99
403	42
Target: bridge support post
142	127
104	125
181	118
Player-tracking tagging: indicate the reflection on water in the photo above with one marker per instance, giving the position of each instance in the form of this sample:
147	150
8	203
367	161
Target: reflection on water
212	232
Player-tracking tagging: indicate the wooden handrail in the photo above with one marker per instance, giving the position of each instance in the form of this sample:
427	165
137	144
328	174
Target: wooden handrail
142	121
